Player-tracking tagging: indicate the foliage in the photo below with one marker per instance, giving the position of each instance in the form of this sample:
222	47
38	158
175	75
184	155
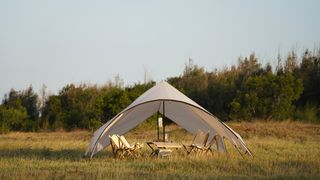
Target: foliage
77	105
307	113
254	101
51	117
112	102
12	119
18	111
245	91
87	107
309	72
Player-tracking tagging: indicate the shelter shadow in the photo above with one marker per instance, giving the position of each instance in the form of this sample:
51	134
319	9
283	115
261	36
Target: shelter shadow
44	153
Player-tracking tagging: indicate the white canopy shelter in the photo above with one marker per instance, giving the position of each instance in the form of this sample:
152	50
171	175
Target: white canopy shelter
165	99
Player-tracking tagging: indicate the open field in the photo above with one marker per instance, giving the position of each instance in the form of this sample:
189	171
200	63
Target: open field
282	150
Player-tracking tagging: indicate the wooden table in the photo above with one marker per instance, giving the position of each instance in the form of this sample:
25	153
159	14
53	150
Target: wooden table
157	147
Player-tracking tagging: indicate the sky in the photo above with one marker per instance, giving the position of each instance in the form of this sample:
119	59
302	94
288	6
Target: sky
59	42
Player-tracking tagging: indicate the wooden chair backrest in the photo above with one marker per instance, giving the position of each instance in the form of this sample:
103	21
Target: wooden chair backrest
115	139
200	139
124	142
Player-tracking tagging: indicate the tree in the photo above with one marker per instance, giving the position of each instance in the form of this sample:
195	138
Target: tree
112	102
29	100
193	82
268	96
78	107
42	99
12	119
309	73
52	111
13	116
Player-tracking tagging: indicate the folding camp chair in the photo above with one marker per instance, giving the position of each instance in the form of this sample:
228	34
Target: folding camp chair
130	149
117	146
198	143
216	144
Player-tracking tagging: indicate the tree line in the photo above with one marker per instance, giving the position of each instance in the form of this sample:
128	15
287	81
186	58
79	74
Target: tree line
247	90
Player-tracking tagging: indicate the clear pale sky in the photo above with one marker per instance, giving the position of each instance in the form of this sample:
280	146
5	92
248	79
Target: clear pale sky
72	41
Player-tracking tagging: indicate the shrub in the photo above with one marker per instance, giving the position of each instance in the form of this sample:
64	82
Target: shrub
308	113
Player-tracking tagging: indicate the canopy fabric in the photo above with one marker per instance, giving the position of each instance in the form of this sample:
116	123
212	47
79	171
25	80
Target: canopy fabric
178	108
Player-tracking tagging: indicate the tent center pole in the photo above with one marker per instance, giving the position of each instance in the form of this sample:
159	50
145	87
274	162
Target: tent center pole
158	130
163	122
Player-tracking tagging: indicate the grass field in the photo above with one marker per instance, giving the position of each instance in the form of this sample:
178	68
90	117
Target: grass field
282	150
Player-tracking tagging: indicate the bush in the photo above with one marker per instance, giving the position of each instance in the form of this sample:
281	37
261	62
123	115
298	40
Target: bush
308	113
93	124
13	119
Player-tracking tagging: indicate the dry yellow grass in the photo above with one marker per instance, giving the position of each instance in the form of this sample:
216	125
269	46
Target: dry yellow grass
282	150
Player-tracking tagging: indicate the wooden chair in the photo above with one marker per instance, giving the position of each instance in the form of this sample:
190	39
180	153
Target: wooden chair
130	149
198	144
216	144
117	146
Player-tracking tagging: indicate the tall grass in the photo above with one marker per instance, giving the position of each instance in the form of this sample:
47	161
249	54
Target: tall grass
281	149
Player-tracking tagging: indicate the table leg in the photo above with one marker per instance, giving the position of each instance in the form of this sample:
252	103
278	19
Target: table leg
153	151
